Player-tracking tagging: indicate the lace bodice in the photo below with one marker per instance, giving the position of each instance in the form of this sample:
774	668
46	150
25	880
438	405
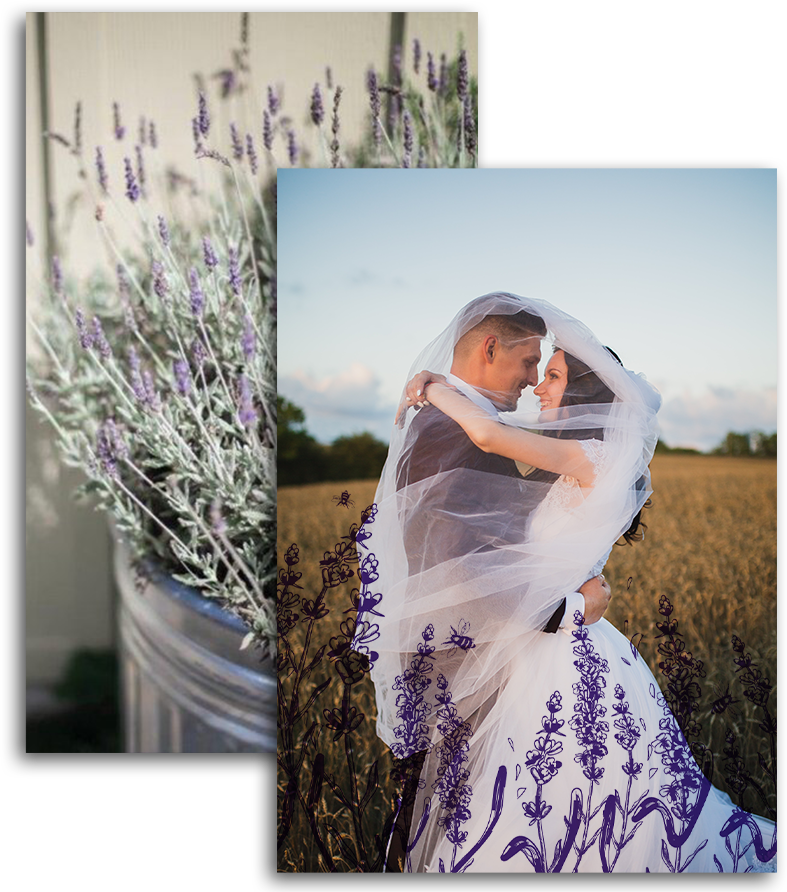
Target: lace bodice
564	496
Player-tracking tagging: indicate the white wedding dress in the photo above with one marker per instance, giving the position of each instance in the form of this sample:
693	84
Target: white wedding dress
585	726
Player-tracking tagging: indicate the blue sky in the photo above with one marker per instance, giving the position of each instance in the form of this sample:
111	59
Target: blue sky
674	269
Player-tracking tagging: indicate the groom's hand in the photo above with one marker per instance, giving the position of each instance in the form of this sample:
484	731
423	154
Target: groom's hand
597	595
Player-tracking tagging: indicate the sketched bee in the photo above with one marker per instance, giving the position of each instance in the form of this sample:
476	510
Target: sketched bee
724	701
343	499
460	639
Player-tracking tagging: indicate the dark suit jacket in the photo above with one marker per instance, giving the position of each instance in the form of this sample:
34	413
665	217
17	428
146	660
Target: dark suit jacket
435	443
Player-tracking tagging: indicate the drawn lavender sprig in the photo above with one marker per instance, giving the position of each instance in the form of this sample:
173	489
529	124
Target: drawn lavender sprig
627	737
588	722
543	766
451	785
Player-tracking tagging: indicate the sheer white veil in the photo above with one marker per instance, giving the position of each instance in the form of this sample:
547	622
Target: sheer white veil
465	586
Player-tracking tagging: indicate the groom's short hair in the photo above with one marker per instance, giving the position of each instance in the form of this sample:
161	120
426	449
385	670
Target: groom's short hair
510	329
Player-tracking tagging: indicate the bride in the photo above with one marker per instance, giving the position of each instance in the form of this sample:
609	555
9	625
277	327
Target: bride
540	752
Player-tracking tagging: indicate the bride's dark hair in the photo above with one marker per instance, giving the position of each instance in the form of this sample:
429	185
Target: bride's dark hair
583	388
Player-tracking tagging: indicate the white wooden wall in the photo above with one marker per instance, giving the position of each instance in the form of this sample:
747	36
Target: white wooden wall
146	62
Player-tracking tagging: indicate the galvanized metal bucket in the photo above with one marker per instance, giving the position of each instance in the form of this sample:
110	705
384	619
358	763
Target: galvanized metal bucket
187	686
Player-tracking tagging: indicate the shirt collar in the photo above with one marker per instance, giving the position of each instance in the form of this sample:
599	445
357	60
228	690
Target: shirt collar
472	394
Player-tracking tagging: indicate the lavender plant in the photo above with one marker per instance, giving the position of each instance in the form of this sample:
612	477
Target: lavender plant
157	375
437	126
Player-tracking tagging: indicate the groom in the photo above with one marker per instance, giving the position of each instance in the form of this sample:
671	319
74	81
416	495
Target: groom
493	363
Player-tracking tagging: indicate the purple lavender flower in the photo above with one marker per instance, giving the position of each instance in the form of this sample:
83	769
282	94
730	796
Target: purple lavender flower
100	340
197	296
129	316
251	152
112	445
143	131
235	280
416	55
152	136
408	140
228	82
212	153
78	129
101	168
292	148
29	234
140	170
132	189
267	131
203	119
198	352
442	87
248	341
469	125
195	134
431	80
237	145
123	287
182	376
335	160
163	231
85	336
374	100
116	438
57	275
135	375
462	77
247	413
208	254
152	399
317	109
106	452
273	101
160	282
119	129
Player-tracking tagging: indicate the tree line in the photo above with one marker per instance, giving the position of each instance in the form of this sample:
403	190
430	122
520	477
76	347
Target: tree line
753	444
303	459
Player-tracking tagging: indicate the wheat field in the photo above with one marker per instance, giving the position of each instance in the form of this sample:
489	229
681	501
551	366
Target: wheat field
710	547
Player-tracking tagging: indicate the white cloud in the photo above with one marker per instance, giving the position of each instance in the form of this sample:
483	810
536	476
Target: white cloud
702	420
344	403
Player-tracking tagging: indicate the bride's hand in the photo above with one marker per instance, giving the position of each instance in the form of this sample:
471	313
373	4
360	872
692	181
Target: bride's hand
414	393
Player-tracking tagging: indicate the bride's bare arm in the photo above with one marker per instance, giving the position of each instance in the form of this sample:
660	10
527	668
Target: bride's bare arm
548	453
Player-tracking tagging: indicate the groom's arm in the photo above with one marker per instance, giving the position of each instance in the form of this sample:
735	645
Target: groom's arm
562	620
555	621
